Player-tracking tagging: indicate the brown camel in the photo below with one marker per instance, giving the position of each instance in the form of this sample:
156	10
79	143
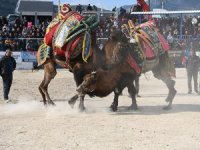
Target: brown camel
161	65
76	65
116	50
114	77
103	82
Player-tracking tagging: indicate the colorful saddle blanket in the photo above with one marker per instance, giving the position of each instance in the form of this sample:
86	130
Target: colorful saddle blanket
149	39
59	29
150	43
68	38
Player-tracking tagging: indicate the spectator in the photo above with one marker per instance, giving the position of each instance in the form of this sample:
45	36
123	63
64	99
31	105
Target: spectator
95	8
114	9
89	7
7	66
122	11
79	8
170	39
192	66
1	42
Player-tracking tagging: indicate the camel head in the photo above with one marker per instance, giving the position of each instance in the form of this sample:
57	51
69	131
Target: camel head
117	45
89	83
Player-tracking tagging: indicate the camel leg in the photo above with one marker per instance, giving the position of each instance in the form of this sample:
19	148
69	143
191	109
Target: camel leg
73	100
42	93
132	91
172	91
114	105
49	74
45	89
81	104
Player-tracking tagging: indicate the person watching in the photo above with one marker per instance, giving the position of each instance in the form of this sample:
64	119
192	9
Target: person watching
7	66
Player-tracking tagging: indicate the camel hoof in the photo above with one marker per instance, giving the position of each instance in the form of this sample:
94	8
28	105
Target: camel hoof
71	105
133	107
72	101
167	107
82	109
171	96
51	103
113	108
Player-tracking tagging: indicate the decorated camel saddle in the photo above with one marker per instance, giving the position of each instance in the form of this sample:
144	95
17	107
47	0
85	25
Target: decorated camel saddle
150	45
67	36
150	41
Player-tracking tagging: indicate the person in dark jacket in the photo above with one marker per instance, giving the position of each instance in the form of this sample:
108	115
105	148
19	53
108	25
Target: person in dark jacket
192	66
79	8
7	66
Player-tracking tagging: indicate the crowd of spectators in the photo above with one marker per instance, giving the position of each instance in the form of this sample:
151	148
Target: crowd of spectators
170	27
24	35
19	36
81	8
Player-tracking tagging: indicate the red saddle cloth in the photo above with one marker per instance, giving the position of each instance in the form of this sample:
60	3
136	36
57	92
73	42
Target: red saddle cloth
148	51
131	61
49	36
68	49
163	42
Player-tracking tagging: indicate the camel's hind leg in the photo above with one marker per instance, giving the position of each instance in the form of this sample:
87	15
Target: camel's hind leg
172	91
49	74
170	85
132	91
164	71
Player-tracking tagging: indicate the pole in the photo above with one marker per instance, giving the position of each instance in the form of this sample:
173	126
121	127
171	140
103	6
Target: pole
58	6
36	23
149	1
181	26
162	4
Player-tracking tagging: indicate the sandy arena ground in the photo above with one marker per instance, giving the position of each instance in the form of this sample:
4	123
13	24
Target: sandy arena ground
28	125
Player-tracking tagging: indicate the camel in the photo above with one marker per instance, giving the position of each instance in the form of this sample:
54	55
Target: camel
117	49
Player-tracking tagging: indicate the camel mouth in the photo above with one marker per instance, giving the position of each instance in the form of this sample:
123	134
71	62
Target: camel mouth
83	88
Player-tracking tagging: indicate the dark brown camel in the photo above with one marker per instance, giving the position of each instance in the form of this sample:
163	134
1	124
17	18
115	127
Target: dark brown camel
161	66
114	77
116	50
101	83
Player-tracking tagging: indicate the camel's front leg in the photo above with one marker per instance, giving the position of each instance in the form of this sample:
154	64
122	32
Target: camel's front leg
81	104
73	100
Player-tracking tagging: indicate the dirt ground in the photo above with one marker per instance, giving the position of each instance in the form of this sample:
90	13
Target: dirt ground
28	125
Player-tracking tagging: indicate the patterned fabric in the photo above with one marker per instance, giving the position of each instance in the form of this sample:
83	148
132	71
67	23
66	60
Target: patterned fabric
86	46
69	38
151	45
56	25
150	41
63	30
44	52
